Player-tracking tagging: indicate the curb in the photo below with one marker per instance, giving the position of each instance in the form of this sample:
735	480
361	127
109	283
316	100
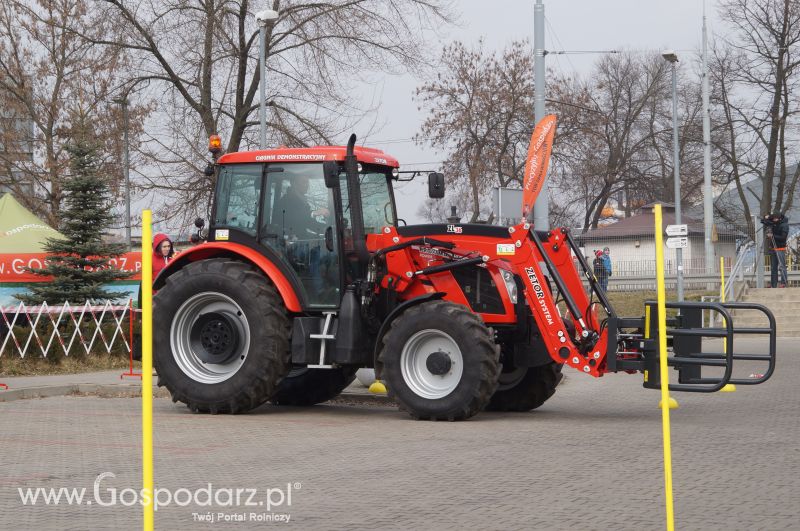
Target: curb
101	390
135	391
363	398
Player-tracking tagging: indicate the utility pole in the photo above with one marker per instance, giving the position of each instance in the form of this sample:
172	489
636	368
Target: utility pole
541	208
672	58
127	169
708	207
126	165
264	18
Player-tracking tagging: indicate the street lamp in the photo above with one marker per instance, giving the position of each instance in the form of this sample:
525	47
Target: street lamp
671	57
264	18
123	102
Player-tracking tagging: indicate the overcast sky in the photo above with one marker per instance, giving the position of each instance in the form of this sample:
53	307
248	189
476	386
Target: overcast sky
571	25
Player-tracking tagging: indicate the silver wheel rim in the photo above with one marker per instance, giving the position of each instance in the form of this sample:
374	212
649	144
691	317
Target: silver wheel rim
181	331
510	379
414	369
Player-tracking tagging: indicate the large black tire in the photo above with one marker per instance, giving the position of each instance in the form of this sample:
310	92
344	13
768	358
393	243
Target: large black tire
231	336
528	392
306	387
420	361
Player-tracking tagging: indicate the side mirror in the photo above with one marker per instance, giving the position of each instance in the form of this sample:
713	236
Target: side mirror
209	171
199	223
331	171
435	185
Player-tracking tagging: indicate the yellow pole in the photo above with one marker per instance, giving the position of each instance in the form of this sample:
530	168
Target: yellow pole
662	355
147	370
727	388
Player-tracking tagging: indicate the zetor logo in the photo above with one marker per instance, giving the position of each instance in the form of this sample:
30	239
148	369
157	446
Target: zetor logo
455	229
537	288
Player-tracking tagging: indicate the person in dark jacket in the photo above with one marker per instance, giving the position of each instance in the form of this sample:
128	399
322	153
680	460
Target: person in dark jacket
293	214
303	233
600	270
162	253
777	228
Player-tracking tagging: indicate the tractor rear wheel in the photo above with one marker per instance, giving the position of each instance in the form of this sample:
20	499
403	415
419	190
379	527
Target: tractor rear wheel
306	387
439	361
525	388
221	337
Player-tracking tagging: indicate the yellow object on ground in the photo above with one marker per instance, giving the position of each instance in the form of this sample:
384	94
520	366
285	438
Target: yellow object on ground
377	388
671	403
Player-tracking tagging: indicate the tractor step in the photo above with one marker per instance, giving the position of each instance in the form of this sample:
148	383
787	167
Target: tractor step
685	334
324	336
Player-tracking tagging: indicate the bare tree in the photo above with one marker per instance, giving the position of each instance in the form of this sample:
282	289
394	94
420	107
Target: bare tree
480	113
755	75
204	53
620	146
50	79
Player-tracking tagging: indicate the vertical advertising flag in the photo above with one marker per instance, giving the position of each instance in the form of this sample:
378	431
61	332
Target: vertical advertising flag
537	162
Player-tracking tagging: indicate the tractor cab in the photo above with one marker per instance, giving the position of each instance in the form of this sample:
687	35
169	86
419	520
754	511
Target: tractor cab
294	206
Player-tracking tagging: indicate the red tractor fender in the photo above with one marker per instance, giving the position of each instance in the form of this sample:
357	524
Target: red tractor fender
239	252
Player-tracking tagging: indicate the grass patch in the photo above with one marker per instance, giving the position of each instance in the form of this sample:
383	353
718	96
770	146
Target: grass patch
631	303
33	365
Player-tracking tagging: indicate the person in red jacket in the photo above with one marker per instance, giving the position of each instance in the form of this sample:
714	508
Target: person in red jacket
162	253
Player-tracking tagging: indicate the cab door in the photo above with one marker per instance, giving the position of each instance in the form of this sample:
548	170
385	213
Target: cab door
286	212
298	222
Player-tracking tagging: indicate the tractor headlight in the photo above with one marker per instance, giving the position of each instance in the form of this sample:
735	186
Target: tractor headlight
511	286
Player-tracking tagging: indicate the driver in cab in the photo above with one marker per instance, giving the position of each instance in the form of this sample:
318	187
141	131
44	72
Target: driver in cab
293	213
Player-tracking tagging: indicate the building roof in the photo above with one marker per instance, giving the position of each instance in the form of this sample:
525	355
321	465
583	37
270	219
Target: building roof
729	202
310	154
643	224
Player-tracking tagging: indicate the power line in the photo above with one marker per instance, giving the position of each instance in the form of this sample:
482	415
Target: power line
578	52
421	163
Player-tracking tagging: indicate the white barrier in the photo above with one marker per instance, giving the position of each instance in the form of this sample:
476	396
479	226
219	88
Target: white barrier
24	320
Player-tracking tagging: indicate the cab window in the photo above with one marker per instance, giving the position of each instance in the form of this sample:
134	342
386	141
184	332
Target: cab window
298	223
238	194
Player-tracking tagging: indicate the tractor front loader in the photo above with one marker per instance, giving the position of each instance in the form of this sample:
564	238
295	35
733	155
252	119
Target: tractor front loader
307	275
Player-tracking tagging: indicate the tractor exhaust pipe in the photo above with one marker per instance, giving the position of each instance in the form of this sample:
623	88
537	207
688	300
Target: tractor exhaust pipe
354	196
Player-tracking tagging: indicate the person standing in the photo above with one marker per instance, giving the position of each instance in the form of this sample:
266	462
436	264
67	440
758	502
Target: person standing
777	226
607	262
600	270
163	251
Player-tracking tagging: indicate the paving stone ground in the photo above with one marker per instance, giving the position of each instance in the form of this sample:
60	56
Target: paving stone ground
590	458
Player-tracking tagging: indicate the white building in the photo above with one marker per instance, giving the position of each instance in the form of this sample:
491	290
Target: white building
631	242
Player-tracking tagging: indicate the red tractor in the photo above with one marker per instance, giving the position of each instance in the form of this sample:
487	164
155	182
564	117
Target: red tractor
307	275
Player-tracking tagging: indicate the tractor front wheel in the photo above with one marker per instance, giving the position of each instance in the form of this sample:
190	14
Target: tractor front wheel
523	388
221	337
439	361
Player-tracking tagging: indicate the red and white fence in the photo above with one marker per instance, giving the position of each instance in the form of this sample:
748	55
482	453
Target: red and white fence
44	329
23	333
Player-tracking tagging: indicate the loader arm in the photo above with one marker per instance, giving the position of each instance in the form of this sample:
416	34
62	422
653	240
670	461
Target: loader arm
532	258
587	350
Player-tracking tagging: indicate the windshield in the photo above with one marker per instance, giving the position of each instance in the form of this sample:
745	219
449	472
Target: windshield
376	201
